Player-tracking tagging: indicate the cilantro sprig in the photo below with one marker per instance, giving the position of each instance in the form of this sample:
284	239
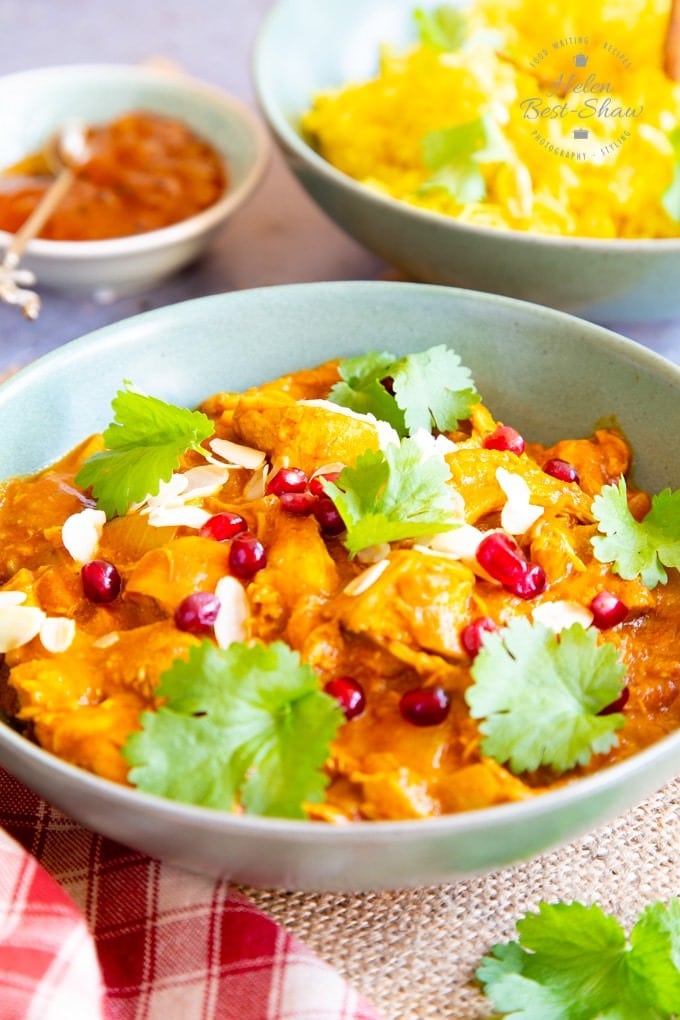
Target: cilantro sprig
393	494
635	548
574	962
428	389
445	27
670	198
241	725
454	155
540	695
144	444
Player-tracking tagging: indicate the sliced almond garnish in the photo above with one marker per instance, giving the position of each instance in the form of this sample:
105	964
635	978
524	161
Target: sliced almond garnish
374	553
19	625
561	613
362	582
57	633
106	640
518	513
232	617
82	532
178	516
237	454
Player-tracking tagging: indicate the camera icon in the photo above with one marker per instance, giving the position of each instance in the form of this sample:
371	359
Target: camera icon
580	133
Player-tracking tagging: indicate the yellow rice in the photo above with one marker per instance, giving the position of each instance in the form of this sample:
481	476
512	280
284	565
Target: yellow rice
374	130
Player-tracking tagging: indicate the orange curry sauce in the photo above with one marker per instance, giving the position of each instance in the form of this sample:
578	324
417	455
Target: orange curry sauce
146	171
402	632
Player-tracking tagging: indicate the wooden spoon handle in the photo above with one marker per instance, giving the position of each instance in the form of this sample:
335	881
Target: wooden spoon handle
671	56
42	212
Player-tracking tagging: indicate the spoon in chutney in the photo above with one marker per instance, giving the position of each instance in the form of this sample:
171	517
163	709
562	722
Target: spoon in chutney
63	154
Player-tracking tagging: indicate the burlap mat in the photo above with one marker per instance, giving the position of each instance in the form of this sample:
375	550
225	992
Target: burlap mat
413	953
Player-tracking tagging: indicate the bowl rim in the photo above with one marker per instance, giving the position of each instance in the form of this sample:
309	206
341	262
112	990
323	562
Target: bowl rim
569	793
183	230
288	136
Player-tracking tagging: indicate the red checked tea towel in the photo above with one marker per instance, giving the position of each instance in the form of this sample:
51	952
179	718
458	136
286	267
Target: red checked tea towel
89	928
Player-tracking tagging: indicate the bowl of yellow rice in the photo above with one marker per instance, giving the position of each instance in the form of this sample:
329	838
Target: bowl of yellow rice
505	146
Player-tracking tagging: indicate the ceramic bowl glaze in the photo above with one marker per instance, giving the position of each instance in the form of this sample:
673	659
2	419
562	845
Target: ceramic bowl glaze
305	47
549	374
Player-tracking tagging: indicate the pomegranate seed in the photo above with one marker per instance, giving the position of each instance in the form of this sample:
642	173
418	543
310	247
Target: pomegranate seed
425	706
617	705
607	610
246	556
316	483
290	479
505	438
561	469
223	526
348	693
197	612
326	513
299	503
101	581
501	557
531	583
472	636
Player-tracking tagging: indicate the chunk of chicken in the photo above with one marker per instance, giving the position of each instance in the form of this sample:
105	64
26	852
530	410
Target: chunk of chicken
307	436
83	703
417	606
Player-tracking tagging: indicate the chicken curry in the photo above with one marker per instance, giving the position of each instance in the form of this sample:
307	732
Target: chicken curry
285	525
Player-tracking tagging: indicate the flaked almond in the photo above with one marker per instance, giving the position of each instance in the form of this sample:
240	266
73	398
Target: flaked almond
204	480
178	516
237	454
562	613
374	553
106	640
19	625
518	513
57	633
362	582
82	532
460	543
256	485
232	618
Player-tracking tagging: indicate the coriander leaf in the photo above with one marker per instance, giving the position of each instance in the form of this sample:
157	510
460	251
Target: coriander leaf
143	444
501	975
638	548
362	389
453	155
433	388
670	198
540	695
366	368
393	494
444	27
428	388
573	962
240	725
655	955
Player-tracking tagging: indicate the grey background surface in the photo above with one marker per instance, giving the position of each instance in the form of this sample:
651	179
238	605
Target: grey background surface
278	237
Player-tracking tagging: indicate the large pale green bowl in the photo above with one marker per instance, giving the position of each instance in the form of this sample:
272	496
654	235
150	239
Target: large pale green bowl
549	374
308	46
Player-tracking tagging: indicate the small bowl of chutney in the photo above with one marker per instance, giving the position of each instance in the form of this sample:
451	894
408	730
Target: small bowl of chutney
169	160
